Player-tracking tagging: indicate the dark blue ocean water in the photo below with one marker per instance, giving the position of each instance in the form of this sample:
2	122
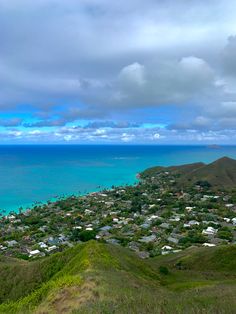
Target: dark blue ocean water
38	173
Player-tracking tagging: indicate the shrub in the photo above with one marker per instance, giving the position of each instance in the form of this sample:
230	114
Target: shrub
163	270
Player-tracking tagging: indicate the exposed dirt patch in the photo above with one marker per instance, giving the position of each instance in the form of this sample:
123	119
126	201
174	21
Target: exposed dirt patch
69	298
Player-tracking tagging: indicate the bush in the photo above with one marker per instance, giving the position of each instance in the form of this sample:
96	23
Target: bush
225	235
163	270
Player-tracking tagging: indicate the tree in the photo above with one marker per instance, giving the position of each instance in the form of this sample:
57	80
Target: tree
84	236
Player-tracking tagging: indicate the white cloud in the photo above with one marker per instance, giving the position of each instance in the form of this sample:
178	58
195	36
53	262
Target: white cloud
127	137
67	61
133	74
156	136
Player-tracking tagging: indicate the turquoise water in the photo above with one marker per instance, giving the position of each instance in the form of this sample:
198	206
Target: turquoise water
39	173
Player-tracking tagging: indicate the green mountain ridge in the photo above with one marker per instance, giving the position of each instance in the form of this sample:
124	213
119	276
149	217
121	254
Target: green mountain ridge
218	174
101	278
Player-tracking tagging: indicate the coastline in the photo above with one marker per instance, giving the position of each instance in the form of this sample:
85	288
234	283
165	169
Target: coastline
140	217
32	174
29	207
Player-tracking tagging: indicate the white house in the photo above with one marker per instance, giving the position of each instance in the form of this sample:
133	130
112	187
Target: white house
229	205
43	245
51	248
208	244
194	223
166	247
34	253
209	231
89	229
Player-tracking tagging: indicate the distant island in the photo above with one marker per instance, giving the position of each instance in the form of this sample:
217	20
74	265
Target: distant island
168	242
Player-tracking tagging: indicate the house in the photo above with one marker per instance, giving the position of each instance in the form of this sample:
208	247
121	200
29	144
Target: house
209	231
133	246
208	244
193	223
89	229
145	226
51	248
11	243
11	217
62	238
106	228
34	253
153	217
42	245
166	248
189	208
164	225
173	240
148	239
229	205
52	241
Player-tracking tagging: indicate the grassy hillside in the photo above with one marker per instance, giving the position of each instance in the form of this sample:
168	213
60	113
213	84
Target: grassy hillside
182	169
99	278
220	259
220	173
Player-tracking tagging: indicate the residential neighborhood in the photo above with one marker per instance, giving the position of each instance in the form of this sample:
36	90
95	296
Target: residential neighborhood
153	217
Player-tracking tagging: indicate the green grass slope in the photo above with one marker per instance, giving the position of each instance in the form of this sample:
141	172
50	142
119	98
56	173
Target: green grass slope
221	259
220	173
98	278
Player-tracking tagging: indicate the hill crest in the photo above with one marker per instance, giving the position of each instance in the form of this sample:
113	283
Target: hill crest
89	278
221	173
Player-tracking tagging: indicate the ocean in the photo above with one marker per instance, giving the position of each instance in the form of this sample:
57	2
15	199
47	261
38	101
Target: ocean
37	173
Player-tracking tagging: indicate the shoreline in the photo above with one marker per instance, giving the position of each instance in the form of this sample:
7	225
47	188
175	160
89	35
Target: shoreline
30	207
155	216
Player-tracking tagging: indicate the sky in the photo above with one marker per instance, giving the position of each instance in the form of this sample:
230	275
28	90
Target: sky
117	72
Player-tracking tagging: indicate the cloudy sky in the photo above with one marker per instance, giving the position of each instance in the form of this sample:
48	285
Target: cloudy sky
102	71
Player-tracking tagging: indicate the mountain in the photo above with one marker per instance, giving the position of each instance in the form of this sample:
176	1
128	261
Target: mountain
219	174
101	278
178	170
